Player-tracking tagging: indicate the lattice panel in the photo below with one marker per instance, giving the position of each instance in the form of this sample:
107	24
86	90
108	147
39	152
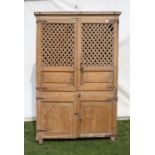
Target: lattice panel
58	44
97	44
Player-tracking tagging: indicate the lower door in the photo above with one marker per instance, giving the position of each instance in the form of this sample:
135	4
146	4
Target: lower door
55	115
98	116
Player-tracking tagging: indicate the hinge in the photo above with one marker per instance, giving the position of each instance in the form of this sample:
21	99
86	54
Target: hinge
41	88
112	21
79	116
110	87
40	98
76	113
41	21
78	95
111	99
41	130
116	98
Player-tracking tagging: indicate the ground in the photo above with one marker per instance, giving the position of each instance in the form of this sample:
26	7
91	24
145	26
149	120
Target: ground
78	147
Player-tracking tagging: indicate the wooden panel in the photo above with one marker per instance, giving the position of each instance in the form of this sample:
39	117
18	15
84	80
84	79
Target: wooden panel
56	96
96	118
96	86
97	77
97	96
57	77
57	117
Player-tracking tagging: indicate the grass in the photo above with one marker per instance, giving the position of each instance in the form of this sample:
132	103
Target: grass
79	147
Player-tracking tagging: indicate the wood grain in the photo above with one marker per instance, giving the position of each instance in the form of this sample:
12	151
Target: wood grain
77	72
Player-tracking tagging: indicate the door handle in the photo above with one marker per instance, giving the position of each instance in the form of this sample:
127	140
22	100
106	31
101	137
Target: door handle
78	95
79	116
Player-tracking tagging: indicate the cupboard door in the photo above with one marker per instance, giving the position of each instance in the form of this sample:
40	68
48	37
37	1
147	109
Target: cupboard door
56	57
96	54
97	115
55	115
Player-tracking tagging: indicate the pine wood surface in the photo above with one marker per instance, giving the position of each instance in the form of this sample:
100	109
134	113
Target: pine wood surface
77	70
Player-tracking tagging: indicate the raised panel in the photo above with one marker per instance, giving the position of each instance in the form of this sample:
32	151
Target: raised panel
57	96
97	77
96	118
58	77
97	96
56	118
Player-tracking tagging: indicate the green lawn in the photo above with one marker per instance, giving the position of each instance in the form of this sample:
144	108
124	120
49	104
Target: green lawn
79	147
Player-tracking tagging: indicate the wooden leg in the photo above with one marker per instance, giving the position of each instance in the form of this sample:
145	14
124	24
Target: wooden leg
40	140
37	139
113	138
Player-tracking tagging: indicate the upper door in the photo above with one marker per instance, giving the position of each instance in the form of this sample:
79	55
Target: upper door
56	54
96	53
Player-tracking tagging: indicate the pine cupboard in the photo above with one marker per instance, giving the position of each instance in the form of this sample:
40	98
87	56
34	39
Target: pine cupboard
76	70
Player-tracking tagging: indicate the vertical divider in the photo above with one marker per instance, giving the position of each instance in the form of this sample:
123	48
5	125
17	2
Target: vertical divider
75	55
79	52
77	76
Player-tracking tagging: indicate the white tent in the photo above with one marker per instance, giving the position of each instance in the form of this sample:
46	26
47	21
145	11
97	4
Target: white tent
76	5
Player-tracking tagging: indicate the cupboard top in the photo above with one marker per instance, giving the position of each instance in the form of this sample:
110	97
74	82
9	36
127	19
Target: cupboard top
82	13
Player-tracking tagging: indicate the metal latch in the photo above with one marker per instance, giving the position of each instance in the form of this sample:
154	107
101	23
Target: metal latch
79	116
43	88
40	98
110	87
78	95
111	21
41	21
41	130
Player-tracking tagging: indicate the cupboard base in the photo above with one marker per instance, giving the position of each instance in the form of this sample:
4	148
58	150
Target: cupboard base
40	138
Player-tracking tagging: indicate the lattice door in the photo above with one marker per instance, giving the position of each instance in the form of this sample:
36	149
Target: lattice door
96	54
57	54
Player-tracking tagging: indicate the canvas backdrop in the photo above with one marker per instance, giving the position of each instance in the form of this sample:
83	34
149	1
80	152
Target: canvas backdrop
76	5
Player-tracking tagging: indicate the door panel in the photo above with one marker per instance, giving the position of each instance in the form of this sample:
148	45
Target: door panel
96	112
57	54
58	117
96	118
56	114
96	58
97	77
58	77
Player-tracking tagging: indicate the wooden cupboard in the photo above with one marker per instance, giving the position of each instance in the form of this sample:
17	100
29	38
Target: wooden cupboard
76	70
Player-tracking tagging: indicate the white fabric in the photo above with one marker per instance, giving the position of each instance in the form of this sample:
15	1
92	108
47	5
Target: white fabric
82	5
